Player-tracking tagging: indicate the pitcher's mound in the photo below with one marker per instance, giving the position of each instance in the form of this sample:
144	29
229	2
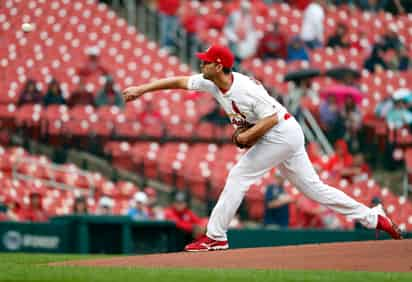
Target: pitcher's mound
387	255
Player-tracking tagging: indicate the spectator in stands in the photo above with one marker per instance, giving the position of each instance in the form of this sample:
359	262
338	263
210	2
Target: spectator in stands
109	95
308	213
338	39
14	211
276	204
399	115
92	66
297	51
311	214
168	10
154	211
186	220
35	212
138	210
30	94
375	61
105	206
216	21
193	21
344	164
396	55
150	116
80	96
362	43
396	109
331	119
240	32
80	206
54	94
313	24
352	117
390	39
217	117
273	44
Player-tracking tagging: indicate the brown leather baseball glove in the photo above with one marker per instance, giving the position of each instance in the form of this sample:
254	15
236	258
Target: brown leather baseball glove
238	131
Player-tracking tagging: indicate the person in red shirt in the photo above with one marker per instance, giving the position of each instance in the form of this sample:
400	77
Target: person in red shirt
13	211
342	157
35	212
186	220
151	116
92	66
273	44
310	214
345	165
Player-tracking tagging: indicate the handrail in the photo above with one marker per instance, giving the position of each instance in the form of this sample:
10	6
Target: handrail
320	136
308	133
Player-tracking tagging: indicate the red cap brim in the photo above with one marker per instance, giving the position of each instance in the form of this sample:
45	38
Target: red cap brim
203	57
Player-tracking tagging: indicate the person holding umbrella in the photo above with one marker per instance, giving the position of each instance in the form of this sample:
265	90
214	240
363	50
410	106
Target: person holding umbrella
331	119
340	112
395	110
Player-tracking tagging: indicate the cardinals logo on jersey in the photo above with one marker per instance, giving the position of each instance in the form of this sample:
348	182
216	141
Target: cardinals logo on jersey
238	118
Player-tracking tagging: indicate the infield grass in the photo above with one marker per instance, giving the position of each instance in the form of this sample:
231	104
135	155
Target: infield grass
31	267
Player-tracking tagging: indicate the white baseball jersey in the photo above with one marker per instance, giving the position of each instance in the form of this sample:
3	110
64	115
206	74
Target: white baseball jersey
246	101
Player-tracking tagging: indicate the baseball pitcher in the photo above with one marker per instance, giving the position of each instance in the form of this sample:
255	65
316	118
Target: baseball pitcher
273	138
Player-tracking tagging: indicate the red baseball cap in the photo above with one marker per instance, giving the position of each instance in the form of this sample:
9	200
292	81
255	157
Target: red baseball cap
218	54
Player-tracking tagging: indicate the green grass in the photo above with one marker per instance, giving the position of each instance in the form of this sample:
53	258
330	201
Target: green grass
31	267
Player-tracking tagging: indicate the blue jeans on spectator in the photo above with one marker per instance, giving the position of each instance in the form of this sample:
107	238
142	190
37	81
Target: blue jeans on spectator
168	27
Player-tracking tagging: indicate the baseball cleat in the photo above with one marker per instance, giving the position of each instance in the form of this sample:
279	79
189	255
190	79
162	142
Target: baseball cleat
386	224
205	244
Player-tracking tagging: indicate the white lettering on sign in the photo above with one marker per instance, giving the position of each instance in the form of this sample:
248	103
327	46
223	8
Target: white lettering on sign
46	242
14	241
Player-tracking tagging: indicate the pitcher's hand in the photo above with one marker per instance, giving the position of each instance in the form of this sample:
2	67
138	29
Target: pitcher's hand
132	93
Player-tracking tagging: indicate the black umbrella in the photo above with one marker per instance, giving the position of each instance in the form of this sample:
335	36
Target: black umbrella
342	72
302	74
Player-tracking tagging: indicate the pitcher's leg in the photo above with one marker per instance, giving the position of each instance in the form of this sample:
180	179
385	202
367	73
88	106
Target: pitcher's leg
250	168
300	172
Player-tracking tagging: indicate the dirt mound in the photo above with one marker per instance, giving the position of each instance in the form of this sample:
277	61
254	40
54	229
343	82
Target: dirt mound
368	256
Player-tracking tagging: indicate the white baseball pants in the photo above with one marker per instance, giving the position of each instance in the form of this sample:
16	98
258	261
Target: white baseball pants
282	146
